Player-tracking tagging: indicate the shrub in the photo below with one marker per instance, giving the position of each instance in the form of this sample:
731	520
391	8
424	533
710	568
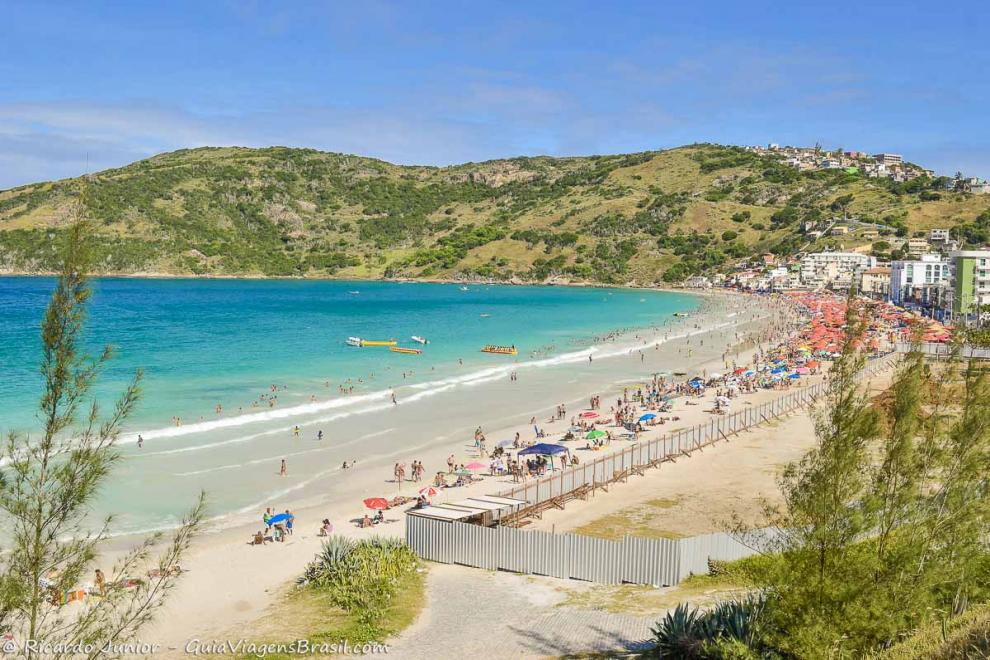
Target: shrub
360	577
691	633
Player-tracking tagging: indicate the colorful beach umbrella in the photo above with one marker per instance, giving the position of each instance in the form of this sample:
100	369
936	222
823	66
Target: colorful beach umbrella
595	434
647	416
476	466
588	415
376	503
429	492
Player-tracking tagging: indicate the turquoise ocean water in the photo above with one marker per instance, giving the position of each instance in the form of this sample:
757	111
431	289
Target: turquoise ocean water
208	342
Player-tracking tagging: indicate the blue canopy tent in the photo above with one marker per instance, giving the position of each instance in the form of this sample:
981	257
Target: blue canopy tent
544	449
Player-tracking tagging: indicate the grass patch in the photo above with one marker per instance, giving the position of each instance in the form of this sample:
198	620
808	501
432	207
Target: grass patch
311	615
963	637
361	593
732	579
643	520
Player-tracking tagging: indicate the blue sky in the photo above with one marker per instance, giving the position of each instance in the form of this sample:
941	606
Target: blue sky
99	84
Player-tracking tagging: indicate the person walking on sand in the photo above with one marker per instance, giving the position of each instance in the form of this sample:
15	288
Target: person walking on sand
140	441
450	464
101	582
319	434
283	470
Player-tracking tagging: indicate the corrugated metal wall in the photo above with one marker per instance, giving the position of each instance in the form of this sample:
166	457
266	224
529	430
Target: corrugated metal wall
635	560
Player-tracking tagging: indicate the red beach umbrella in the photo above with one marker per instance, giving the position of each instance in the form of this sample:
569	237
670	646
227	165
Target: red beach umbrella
588	415
376	503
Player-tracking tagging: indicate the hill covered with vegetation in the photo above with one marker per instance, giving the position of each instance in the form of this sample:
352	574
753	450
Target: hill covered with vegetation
635	218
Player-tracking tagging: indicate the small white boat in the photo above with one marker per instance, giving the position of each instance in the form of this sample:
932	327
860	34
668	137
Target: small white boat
353	341
420	340
464	288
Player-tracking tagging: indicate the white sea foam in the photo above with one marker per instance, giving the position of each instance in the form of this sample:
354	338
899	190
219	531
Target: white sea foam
346	406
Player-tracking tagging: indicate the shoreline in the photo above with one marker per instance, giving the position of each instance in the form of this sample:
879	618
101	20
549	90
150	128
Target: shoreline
629	343
583	284
220	558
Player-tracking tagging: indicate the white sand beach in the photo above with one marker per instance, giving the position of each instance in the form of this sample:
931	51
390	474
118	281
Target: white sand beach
228	583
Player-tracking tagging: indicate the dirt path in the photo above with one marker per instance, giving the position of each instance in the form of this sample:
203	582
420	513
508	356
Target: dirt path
502	615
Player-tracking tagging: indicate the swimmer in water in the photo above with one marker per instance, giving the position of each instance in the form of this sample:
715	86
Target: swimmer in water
140	441
283	470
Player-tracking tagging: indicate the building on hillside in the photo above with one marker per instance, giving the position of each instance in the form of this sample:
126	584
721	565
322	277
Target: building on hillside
839	270
889	159
938	236
876	283
870	235
919	282
917	246
839	230
980	188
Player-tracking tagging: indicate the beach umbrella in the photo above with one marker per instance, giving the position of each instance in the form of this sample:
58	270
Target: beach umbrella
595	434
376	503
750	373
430	492
778	370
588	415
794	376
647	416
803	370
476	466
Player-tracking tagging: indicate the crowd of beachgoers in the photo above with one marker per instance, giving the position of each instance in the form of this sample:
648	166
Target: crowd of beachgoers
800	336
633	410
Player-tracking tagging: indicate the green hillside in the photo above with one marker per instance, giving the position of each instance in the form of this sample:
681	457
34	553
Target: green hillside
644	218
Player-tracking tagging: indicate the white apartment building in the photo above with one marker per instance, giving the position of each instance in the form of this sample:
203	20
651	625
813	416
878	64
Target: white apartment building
839	269
915	280
938	236
889	159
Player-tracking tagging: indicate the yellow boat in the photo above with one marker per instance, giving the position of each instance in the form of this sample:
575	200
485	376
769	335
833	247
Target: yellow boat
500	350
383	342
400	349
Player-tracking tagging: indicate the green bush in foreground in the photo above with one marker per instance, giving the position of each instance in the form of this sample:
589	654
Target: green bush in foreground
882	526
360	577
692	633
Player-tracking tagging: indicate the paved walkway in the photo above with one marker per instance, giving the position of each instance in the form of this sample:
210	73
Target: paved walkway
501	615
